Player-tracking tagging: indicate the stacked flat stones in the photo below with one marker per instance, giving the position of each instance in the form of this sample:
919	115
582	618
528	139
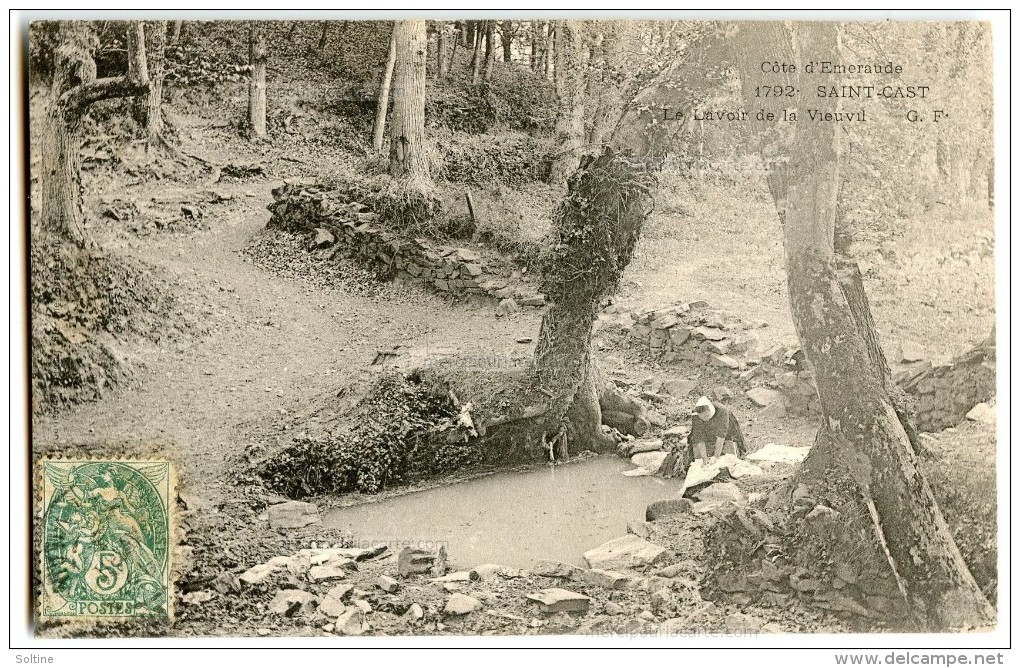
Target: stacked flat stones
351	229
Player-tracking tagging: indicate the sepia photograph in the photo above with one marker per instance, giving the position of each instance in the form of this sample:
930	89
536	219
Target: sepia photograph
667	331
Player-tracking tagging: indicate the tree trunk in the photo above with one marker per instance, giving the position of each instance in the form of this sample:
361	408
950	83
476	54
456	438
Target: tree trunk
175	32
441	57
383	99
490	51
407	131
550	50
866	440
533	59
138	68
476	56
323	36
569	81
257	84
154	100
453	54
506	36
73	90
593	237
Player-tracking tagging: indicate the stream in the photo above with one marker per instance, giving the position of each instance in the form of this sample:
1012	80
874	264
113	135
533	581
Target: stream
557	512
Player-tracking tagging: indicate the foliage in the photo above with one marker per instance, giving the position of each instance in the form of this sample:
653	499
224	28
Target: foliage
513	97
81	301
512	159
401	432
596	228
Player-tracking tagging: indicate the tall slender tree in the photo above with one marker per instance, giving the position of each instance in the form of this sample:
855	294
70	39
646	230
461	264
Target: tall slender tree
257	83
382	102
569	80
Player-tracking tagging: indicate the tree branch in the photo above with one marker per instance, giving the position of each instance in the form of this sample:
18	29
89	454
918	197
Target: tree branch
79	98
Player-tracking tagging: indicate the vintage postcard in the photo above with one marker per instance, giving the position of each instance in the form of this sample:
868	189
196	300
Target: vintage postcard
649	330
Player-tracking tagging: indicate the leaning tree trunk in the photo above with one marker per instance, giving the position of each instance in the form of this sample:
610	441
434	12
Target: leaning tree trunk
74	89
383	99
569	78
866	440
407	130
175	32
257	84
592	240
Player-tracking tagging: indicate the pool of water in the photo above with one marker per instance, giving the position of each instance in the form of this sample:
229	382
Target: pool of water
555	512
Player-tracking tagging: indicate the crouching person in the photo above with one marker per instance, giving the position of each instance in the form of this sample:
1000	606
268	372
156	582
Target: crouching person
714	431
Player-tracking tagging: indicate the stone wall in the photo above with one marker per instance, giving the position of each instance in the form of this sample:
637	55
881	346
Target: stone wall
946	392
350	229
779	379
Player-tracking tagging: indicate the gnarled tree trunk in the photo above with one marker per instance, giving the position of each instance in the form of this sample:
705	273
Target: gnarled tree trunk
74	89
866	441
594	233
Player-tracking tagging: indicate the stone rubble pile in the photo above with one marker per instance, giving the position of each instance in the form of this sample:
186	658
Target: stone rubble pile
779	380
336	225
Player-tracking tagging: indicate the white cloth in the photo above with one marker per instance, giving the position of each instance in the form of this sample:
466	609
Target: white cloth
700	471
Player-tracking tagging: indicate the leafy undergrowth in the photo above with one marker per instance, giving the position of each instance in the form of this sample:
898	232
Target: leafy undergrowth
86	304
405	428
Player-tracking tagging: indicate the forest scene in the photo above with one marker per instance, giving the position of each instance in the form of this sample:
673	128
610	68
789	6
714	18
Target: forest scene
437	323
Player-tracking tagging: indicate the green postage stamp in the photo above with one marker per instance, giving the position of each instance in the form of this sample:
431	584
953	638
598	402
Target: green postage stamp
106	528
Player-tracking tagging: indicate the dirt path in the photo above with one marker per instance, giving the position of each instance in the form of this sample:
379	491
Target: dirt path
272	344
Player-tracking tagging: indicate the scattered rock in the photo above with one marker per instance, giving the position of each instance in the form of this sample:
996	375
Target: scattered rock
821	514
678	387
197	597
327	572
612	608
726	361
983	412
761	396
649	460
708	334
351	623
291	602
674	570
456	576
507	306
363	605
722	393
257	573
461	604
644	530
551	569
323	238
388	584
722	492
644	445
332	603
775	410
227	583
560	600
293	515
416	560
414	612
603	578
486	571
738	622
624	552
667	507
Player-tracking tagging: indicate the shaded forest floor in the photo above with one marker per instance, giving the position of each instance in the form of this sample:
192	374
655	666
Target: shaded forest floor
271	344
